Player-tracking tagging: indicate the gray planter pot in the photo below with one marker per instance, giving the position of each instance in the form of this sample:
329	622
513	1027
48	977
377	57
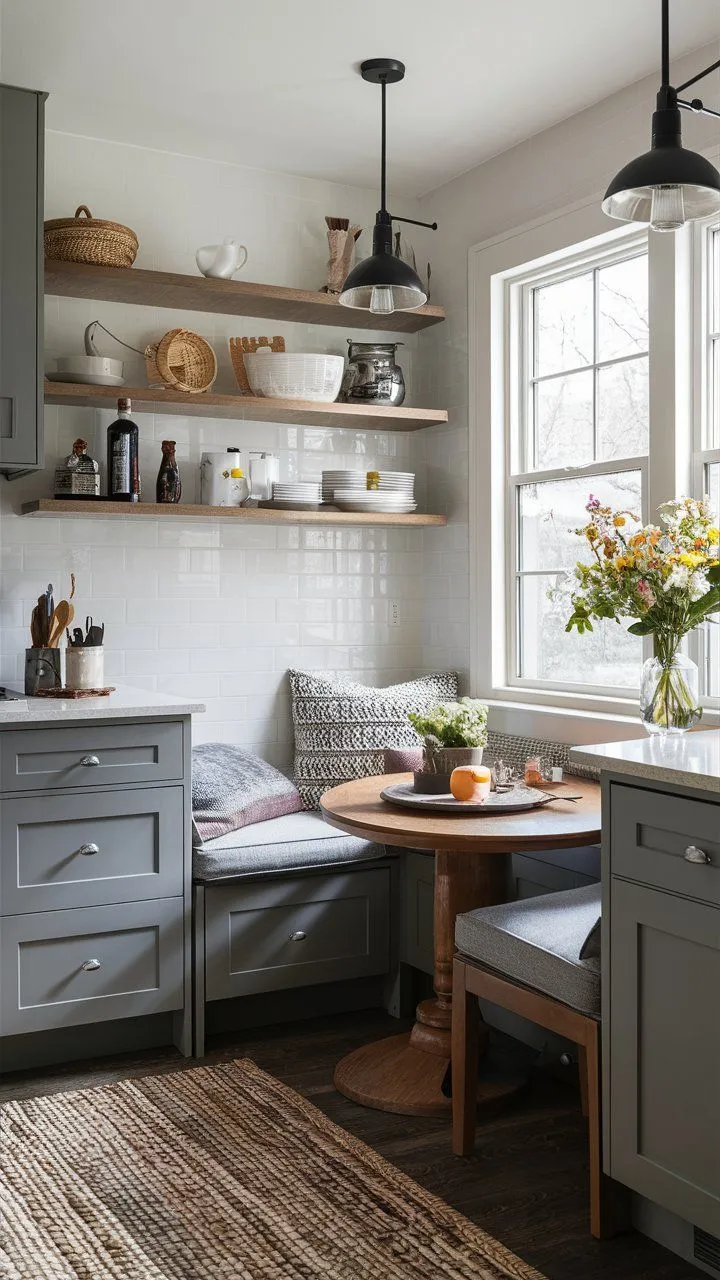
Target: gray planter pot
436	781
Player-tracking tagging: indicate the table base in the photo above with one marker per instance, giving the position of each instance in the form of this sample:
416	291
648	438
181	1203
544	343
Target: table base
393	1075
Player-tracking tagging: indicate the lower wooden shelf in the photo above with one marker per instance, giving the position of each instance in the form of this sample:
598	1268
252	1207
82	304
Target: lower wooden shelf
193	511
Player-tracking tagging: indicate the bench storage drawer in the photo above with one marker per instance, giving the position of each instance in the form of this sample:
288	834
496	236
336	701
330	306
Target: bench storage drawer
89	849
272	935
667	841
95	755
65	968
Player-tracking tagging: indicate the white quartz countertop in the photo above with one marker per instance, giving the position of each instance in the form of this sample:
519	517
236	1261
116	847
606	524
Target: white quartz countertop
124	704
689	760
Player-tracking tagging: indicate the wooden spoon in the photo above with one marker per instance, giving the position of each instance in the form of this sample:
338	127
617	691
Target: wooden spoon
62	617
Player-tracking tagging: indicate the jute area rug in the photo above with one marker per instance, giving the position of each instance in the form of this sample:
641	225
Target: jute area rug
216	1173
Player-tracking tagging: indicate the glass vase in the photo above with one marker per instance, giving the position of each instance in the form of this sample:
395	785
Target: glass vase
669	692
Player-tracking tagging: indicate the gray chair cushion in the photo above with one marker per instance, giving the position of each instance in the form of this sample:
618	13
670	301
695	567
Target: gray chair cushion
537	942
290	843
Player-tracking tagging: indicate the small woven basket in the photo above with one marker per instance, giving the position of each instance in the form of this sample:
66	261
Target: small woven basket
88	239
182	360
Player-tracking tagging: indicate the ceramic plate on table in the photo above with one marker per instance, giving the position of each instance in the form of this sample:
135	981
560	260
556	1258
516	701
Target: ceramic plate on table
519	800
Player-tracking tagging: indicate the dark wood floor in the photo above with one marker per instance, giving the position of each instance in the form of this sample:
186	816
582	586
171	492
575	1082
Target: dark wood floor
526	1183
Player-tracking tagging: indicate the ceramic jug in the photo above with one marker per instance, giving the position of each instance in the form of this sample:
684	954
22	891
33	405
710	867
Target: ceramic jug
221	260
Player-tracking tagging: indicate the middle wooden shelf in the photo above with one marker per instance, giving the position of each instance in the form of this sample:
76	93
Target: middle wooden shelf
208	404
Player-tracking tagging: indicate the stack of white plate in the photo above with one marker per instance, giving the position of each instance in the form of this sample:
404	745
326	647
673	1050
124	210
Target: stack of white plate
398	482
332	480
293	495
374	500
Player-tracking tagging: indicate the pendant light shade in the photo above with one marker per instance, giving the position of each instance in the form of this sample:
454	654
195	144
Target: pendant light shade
384	283
667	186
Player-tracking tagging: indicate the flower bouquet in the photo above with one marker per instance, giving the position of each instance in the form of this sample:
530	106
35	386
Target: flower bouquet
453	734
667	578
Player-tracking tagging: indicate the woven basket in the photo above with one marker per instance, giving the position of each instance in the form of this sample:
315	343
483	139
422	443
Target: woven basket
88	239
182	360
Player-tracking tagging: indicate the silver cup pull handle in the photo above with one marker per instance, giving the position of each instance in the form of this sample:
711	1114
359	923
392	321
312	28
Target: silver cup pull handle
693	854
90	762
88	849
89	966
298	936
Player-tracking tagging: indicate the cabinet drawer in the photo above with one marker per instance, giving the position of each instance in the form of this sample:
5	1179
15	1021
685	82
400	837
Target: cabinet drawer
296	932
90	756
64	968
653	836
85	850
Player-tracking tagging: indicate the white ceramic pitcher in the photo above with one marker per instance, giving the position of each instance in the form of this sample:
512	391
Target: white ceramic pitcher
221	260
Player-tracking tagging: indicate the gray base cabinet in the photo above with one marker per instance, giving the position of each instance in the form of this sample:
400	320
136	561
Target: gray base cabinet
21	279
95	877
662	1000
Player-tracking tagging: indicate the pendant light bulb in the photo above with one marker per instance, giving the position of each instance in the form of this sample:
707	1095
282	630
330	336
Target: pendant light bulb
382	302
668	209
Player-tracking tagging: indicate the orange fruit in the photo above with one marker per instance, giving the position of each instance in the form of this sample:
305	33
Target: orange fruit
470	782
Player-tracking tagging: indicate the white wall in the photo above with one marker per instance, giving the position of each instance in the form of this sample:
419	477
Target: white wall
570	162
214	611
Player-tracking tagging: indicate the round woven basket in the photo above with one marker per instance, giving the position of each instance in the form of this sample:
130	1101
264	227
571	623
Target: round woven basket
88	239
183	360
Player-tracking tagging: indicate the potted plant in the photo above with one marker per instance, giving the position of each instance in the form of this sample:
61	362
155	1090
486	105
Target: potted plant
453	734
668	579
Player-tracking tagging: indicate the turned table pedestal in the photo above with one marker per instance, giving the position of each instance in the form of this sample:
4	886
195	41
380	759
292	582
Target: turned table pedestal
405	1073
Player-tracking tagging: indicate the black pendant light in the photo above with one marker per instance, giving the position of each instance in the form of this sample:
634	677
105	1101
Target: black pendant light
668	186
384	283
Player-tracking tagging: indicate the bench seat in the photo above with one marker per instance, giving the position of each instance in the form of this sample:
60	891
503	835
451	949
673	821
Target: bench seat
295	842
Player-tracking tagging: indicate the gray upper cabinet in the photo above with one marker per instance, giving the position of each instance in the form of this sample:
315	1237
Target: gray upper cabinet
21	279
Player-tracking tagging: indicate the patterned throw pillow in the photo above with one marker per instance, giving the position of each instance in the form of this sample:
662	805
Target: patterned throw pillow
342	728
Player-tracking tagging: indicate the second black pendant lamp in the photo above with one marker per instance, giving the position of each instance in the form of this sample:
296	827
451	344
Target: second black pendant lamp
384	283
668	185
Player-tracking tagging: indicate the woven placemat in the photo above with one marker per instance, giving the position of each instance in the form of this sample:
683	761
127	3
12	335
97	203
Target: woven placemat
217	1173
75	693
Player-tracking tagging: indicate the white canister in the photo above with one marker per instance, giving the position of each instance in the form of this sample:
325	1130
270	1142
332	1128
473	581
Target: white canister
264	472
84	666
218	486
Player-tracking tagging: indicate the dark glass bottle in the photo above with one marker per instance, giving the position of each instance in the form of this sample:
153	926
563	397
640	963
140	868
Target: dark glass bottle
169	484
123	472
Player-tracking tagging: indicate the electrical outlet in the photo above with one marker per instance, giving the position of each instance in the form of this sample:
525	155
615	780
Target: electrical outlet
394	613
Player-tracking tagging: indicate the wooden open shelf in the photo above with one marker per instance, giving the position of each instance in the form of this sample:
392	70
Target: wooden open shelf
305	413
223	297
193	511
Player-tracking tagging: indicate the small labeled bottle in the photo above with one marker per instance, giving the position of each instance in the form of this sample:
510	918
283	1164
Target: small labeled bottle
169	484
123	471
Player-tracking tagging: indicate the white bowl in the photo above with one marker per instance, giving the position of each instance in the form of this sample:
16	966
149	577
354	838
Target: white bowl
285	375
99	371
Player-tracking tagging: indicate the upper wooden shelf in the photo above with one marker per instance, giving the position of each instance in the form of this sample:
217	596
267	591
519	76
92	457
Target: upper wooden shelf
307	413
223	297
193	511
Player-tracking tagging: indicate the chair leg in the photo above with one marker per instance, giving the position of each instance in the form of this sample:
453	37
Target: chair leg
610	1203
465	1061
583	1074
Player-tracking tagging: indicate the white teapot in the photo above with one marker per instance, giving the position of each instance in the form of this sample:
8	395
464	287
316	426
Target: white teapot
221	260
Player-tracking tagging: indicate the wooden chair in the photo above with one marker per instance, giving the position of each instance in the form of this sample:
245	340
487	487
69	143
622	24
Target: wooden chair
525	957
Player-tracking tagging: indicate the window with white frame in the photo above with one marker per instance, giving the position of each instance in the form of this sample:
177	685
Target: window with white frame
707	285
578	399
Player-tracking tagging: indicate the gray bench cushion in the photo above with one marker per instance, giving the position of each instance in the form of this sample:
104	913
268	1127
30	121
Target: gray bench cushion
537	942
290	843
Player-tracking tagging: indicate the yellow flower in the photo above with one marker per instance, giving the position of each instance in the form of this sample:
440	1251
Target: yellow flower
713	536
619	521
623	562
691	559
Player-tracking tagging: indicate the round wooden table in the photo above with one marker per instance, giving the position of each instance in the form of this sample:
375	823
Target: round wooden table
405	1073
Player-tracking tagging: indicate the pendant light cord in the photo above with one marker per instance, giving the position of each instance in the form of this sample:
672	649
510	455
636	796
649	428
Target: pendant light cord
665	44
383	145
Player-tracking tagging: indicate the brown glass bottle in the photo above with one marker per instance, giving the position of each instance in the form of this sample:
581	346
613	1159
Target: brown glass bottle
169	485
123	471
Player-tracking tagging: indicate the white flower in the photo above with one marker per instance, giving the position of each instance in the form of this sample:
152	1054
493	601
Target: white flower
680	578
698	584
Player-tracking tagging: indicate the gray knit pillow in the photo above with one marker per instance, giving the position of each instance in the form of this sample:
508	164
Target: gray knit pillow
232	788
342	728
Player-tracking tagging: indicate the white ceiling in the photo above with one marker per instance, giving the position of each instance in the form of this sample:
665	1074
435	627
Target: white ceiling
273	84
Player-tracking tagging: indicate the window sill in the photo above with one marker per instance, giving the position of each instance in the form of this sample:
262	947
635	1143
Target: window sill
610	720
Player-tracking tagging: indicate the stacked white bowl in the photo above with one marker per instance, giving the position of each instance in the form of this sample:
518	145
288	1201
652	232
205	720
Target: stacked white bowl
296	494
